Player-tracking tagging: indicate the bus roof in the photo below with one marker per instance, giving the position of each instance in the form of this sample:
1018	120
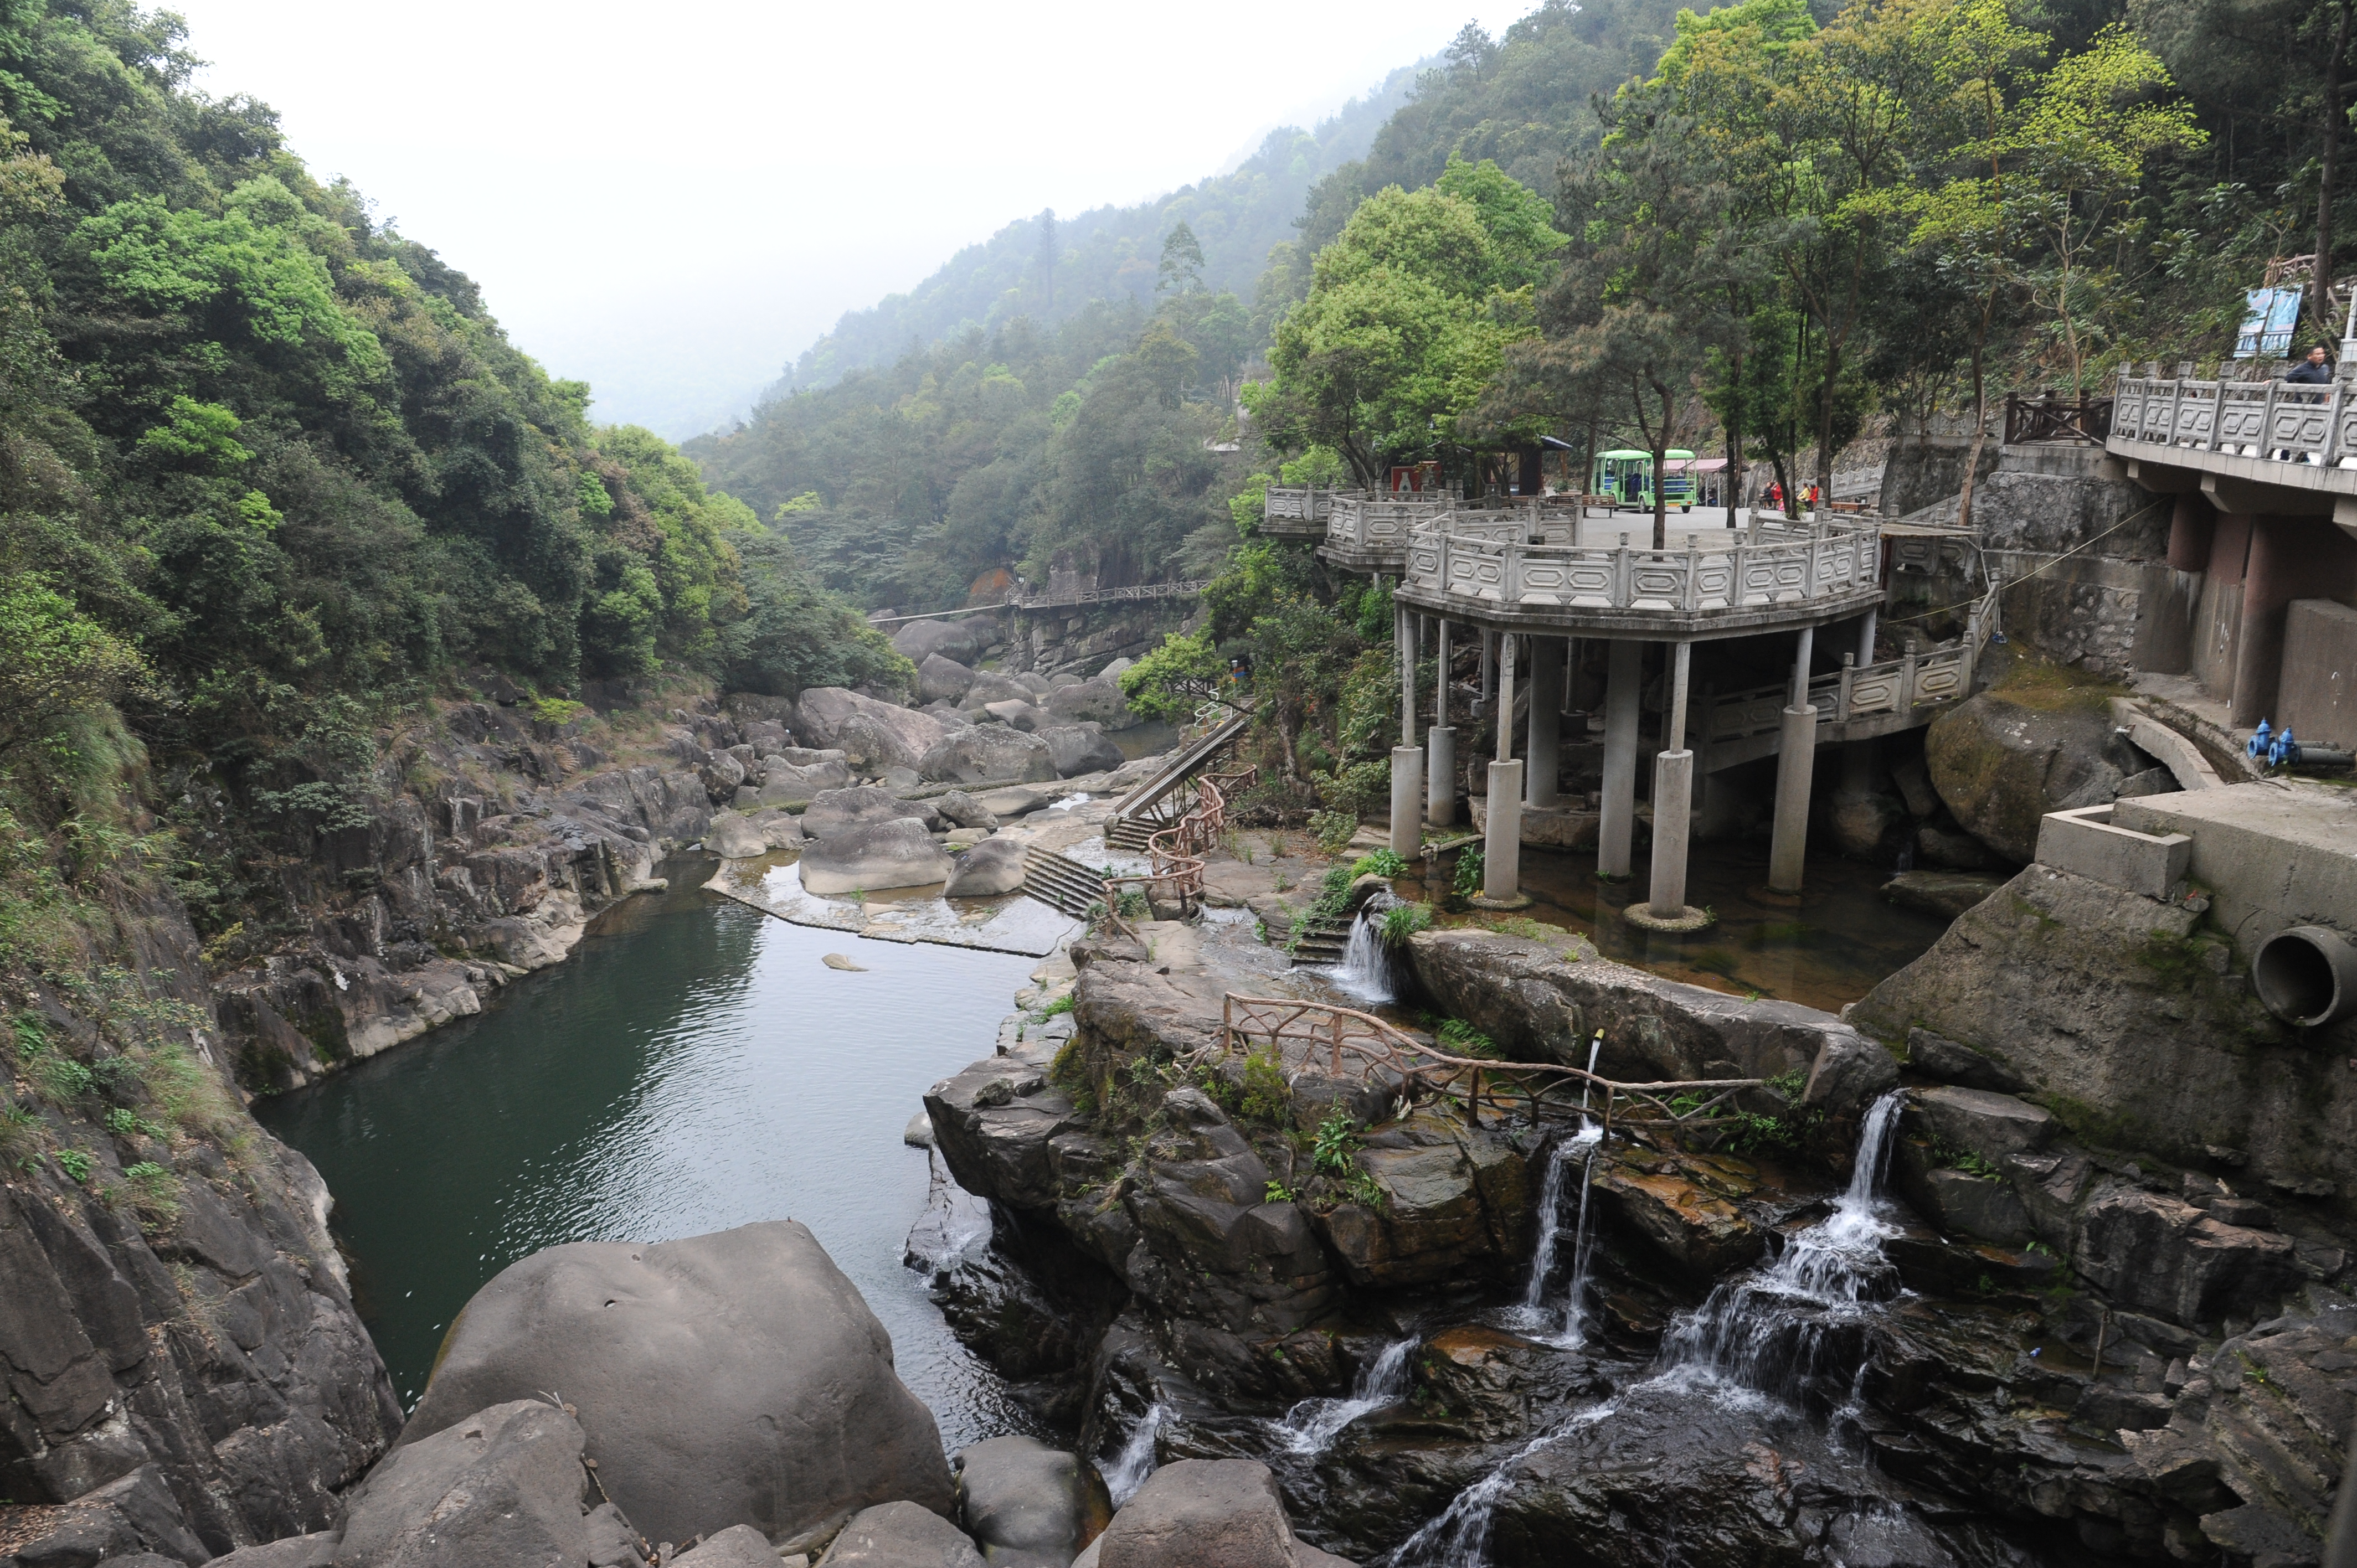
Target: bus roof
1673	454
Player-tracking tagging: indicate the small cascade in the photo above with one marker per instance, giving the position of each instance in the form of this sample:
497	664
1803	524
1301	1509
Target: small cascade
1365	971
1799	1328
1128	1469
1310	1427
1459	1538
1560	1324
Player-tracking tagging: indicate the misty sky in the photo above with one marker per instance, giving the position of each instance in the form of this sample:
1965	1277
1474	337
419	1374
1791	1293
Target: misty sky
672	203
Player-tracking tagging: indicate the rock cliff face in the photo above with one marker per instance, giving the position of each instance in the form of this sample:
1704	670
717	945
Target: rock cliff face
499	836
185	1369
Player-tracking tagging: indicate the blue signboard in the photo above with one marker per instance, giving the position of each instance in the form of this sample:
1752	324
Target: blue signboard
2267	324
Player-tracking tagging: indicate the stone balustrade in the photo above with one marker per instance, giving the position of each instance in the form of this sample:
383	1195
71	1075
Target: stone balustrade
2310	425
1298	511
1492	570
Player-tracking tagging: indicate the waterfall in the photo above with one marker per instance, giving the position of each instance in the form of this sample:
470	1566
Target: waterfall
1128	1468
1459	1538
1310	1427
1562	1326
1799	1328
1366	968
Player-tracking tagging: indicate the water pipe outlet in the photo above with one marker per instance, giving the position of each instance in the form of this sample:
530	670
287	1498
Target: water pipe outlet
2307	975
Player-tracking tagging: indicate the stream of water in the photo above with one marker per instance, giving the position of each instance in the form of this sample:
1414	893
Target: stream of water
693	1067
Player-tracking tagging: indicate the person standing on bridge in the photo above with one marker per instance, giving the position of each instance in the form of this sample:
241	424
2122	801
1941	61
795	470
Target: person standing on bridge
2315	371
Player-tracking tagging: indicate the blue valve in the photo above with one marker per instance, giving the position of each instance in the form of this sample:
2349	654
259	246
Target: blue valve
2285	750
2259	740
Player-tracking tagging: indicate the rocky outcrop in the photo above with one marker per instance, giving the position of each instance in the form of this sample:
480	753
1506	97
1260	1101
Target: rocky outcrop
942	680
502	1484
894	853
185	1369
988	754
496	837
900	1535
873	735
1029	1504
1202	1513
1092	702
2000	764
1075	749
839	811
2133	1024
989	868
729	1379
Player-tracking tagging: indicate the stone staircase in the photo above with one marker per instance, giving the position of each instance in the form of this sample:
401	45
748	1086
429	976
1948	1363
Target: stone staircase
1148	808
1061	881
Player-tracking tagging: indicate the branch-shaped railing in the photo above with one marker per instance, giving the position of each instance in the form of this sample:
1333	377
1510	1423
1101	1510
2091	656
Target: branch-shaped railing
1345	1041
1176	855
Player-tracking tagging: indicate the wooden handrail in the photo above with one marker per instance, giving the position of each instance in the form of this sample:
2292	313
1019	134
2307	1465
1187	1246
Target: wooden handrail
1376	1046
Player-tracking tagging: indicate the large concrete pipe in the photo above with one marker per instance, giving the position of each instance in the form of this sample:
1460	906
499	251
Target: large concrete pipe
2307	975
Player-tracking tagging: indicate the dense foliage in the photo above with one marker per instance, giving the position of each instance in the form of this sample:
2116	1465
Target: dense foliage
270	470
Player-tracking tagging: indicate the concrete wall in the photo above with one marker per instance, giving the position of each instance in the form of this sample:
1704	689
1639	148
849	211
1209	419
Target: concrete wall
2318	693
2272	854
2090	844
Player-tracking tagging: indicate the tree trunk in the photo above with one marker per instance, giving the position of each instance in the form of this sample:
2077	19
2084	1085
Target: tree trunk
1980	422
1824	480
2319	283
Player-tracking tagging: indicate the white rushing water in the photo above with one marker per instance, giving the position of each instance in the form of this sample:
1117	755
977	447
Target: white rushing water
1559	1321
1366	969
1128	1469
1459	1538
1310	1427
1798	1326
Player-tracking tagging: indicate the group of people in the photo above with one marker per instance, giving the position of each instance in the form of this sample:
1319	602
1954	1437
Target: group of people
1775	497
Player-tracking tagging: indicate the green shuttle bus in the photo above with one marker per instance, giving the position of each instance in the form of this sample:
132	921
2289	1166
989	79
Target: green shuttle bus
1627	475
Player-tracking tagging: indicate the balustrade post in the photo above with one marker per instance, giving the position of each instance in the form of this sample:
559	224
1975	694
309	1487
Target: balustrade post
2217	409
1694	573
1621	578
1809	588
2324	458
1906	681
2267	418
2176	409
1841	696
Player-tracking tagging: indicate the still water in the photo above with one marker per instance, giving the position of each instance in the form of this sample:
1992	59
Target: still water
693	1067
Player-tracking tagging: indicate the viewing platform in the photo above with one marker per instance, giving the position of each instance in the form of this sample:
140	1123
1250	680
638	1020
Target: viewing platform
2298	440
1298	511
1507	573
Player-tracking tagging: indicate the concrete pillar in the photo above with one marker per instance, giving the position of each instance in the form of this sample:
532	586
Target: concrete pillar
1617	829
1501	841
1545	724
1795	766
1489	673
1440	777
1673	824
1440	685
1865	640
1407	813
2271	580
1672	798
1404	649
1796	762
1505	696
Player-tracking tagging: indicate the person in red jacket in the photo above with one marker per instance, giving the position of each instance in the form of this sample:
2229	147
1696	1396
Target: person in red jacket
1775	496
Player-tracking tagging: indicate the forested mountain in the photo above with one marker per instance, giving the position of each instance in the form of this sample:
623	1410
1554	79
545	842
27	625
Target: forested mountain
270	473
1106	252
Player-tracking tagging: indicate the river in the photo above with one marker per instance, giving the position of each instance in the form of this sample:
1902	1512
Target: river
693	1067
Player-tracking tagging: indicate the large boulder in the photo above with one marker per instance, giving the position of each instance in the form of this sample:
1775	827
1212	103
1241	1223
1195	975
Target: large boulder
1092	702
965	812
918	640
729	1379
498	1484
784	784
893	736
739	1546
940	679
991	867
900	1535
989	754
898	853
991	687
1028	1504
840	811
1016	714
732	837
2000	764
1202	1513
1076	749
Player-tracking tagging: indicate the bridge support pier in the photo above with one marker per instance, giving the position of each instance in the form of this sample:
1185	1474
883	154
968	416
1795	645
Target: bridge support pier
1408	812
1796	762
1616	828
1545	724
1502	846
1440	776
1665	909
